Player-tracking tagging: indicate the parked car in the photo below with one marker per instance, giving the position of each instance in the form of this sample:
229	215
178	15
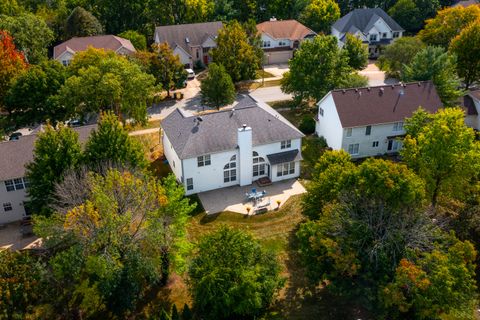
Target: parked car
15	136
190	74
75	123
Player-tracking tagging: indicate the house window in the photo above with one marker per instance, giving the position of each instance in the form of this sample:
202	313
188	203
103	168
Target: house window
9	185
230	170
282	43
266	43
205	50
353	148
368	130
392	145
348	132
258	165
26	183
203	160
65	62
375	144
284	169
7	206
398	126
373	37
18	183
396	34
286	144
384	35
189	183
320	111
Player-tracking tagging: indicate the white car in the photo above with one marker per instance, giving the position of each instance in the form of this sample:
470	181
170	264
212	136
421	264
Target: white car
190	74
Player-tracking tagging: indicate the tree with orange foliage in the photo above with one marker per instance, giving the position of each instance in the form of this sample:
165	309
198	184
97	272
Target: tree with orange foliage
12	63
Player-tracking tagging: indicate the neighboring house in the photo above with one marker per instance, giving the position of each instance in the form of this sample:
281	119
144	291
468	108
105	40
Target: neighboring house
280	38
15	155
465	3
231	147
369	121
191	42
65	51
372	25
471	104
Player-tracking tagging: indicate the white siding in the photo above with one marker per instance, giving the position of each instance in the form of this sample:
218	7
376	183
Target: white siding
329	125
66	56
378	133
172	157
184	57
473	121
16	199
274	43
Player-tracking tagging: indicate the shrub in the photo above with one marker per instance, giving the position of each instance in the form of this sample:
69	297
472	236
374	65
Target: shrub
307	126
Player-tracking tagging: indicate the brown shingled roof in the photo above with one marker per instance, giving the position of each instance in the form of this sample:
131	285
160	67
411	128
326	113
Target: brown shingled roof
107	42
285	29
16	154
465	3
384	104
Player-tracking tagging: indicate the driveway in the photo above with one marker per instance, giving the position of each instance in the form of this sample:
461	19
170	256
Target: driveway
270	94
276	69
233	198
376	77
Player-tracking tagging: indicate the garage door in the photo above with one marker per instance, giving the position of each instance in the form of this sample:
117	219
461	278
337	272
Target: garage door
278	57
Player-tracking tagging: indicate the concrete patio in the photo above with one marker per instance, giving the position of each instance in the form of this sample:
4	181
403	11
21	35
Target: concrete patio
233	198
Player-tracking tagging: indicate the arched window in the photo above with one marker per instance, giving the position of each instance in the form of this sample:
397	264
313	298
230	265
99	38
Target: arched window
230	170
258	165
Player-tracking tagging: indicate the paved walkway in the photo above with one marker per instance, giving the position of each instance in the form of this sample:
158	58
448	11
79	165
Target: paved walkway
233	198
11	238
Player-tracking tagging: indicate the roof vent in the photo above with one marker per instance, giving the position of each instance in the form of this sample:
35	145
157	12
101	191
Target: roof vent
199	119
244	126
356	90
368	88
393	86
343	90
401	92
419	84
187	40
232	112
381	91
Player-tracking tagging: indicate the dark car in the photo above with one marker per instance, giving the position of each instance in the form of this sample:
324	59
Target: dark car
15	136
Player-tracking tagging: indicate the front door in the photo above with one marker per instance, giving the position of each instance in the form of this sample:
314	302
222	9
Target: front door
205	59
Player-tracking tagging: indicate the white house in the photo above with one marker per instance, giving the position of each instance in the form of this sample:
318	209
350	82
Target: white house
230	147
191	42
471	104
15	155
65	51
369	121
280	38
372	25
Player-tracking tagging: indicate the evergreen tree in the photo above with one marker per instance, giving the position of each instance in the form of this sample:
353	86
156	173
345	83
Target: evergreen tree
82	23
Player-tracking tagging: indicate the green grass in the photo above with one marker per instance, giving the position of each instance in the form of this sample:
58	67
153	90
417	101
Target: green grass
264	74
149	125
295	115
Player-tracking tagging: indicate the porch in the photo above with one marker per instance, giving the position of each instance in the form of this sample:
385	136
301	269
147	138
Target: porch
234	198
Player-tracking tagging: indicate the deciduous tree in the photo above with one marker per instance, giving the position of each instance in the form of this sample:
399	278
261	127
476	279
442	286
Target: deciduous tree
407	15
235	52
110	143
398	54
466	46
138	40
56	151
12	63
217	88
443	151
232	276
447	24
319	15
166	67
433	63
30	33
317	67
82	23
105	81
30	99
357	52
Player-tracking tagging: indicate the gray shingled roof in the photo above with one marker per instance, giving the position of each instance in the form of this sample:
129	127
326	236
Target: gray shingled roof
282	157
217	131
196	33
363	19
16	154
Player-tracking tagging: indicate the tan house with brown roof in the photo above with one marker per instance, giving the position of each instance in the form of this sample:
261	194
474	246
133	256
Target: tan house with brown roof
369	121
280	38
65	51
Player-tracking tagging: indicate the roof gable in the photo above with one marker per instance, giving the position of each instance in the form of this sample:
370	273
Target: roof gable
384	104
217	132
196	33
285	29
107	42
364	19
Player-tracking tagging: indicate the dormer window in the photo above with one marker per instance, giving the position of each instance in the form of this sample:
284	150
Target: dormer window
187	40
373	37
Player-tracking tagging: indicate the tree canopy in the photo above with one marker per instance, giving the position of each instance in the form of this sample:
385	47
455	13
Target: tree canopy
30	33
317	67
236	53
12	63
232	276
319	15
357	52
217	88
81	23
138	40
398	54
466	46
